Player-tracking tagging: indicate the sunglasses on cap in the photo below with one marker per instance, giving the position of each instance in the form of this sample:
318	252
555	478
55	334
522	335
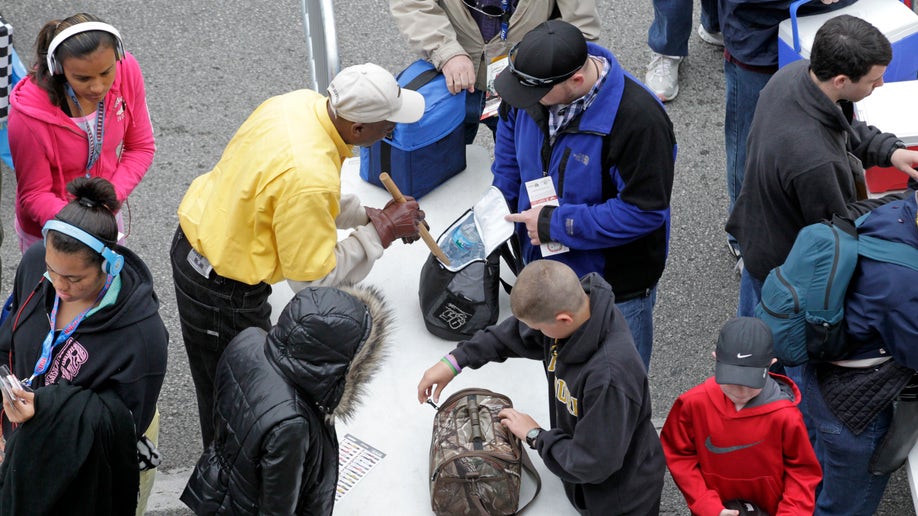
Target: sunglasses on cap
535	82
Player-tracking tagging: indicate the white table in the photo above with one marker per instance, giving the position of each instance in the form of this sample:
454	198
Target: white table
390	418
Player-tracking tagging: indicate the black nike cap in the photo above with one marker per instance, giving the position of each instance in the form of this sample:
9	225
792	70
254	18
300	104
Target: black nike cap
744	352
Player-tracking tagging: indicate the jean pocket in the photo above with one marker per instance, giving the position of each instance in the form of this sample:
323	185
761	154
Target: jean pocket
200	322
829	427
258	315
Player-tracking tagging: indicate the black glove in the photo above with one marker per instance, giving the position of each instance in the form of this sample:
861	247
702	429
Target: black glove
396	220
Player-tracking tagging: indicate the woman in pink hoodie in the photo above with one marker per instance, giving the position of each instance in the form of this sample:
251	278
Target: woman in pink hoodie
82	111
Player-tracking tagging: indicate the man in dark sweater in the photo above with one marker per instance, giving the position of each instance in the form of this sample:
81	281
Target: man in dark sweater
600	439
806	155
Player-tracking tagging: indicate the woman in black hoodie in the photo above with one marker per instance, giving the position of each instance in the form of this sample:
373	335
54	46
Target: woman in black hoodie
84	313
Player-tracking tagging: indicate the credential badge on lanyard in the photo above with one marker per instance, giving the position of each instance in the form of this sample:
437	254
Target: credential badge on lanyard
93	137
542	193
50	342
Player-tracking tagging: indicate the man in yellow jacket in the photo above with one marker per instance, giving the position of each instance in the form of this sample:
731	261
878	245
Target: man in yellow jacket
270	210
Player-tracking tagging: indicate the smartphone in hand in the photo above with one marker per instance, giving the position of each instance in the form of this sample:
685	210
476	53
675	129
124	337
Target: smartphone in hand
7	381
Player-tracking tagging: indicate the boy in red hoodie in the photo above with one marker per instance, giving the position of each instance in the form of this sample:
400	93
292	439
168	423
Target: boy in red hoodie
740	433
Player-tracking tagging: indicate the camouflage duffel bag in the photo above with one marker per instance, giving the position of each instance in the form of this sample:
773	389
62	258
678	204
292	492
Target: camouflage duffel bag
475	463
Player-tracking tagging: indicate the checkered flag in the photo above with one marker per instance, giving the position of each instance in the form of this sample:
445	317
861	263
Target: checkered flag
6	68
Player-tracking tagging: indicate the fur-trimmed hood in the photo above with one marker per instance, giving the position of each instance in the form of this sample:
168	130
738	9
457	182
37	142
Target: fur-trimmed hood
328	342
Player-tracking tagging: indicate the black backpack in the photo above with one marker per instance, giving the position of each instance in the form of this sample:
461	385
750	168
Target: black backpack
460	299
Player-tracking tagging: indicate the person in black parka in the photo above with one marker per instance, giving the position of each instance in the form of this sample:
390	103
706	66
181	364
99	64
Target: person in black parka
278	394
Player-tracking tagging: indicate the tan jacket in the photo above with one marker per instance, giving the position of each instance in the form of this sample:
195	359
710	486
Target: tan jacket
442	29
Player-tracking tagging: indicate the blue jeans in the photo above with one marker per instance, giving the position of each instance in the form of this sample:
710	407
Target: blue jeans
847	487
742	95
638	314
795	373
672	25
750	293
212	311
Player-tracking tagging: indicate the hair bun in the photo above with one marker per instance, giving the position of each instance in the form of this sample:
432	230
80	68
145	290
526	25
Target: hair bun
89	203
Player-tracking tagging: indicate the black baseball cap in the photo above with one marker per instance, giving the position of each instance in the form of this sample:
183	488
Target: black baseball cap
745	348
547	55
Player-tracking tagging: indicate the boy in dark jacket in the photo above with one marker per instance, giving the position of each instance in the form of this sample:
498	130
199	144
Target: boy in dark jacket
275	450
740	434
600	440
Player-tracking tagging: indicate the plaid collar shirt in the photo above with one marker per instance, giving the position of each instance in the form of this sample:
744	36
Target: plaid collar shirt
561	115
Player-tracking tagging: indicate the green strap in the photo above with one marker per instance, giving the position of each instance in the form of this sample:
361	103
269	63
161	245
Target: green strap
883	250
887	251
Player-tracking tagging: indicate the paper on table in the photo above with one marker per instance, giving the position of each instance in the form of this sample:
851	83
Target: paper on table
355	459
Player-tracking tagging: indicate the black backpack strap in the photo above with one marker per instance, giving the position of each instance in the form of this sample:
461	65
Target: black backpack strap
513	257
422	79
846	224
385	156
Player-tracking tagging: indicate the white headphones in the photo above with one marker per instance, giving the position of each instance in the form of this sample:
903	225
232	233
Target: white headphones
55	68
112	262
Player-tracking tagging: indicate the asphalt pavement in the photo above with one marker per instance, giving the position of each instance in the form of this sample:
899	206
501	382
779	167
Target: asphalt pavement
208	64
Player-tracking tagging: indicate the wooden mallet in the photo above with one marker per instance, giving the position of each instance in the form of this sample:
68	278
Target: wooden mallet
425	235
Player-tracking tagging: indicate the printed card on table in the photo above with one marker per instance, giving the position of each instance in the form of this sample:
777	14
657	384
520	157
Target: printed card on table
355	459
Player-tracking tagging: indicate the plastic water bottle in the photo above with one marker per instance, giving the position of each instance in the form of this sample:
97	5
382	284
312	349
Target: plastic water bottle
465	243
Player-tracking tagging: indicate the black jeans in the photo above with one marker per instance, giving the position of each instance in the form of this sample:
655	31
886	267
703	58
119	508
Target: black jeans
212	311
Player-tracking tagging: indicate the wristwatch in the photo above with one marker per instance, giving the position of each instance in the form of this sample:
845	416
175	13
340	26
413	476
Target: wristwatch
532	435
896	146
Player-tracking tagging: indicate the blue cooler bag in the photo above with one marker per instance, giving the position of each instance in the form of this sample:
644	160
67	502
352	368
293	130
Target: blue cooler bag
422	155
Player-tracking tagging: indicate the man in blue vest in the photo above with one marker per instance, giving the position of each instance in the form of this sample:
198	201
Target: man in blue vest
585	155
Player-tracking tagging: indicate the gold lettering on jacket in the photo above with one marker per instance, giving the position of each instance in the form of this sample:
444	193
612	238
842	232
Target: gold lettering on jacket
563	395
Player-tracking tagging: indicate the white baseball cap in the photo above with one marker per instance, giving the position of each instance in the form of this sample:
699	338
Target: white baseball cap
368	93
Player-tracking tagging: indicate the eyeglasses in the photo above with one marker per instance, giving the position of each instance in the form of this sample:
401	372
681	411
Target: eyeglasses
535	82
491	11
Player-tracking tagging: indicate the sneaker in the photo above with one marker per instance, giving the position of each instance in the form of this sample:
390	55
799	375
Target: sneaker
733	247
663	76
711	38
738	268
